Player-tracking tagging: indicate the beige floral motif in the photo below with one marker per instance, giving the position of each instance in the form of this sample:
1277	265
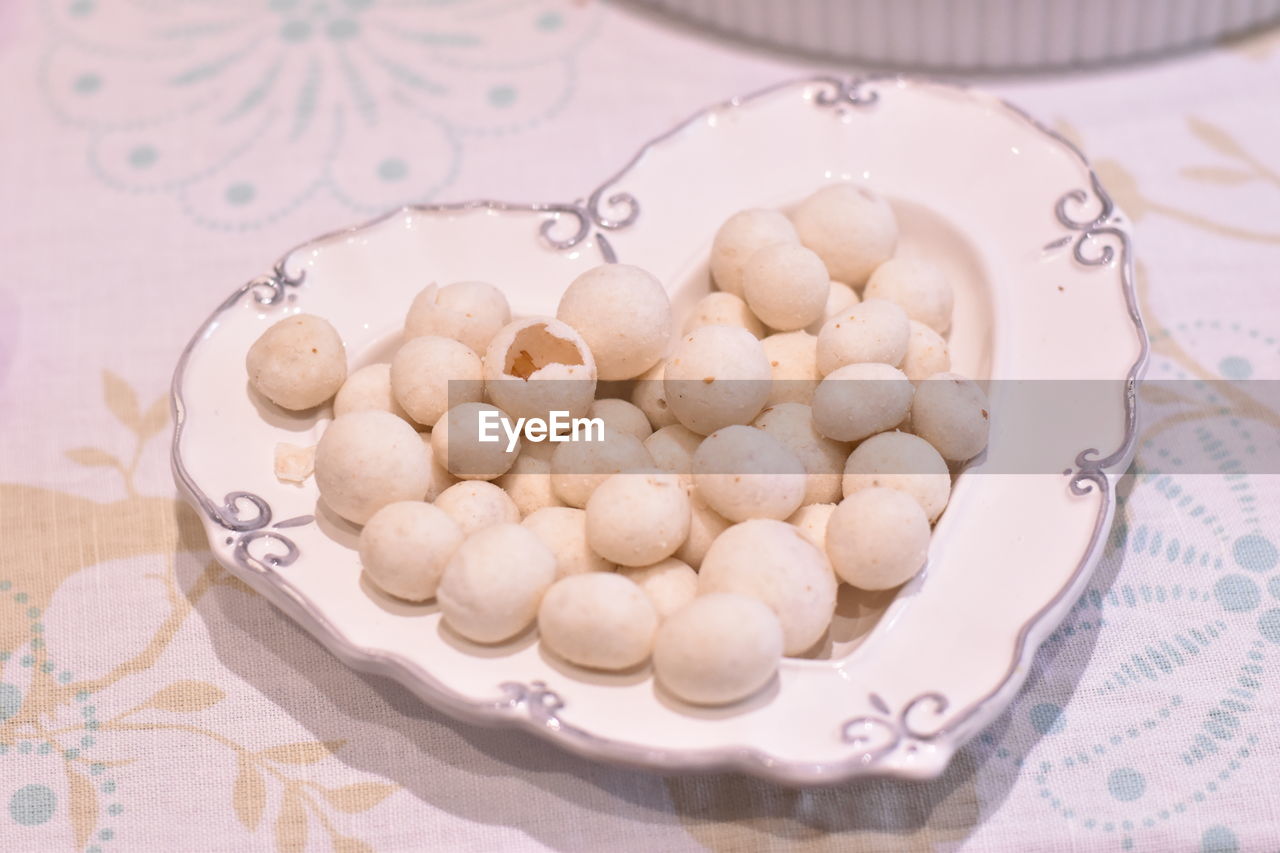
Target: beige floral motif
51	536
1123	186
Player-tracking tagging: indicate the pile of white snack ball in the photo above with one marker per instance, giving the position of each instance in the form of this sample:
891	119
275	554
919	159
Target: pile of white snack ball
739	479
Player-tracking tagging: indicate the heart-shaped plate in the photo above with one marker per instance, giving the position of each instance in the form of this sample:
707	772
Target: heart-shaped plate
1041	264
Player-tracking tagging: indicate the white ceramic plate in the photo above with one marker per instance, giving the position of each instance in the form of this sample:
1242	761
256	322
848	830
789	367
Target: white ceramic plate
1042	271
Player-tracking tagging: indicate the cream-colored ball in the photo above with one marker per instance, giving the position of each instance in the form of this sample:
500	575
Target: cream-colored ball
579	467
718	650
440	478
472	442
823	458
951	413
298	363
717	376
859	400
743	472
871	331
471	312
793	361
494	583
741	236
368	389
405	546
637	519
919	286
672	449
366	460
476	504
563	529
927	353
705	524
528	481
811	521
623	314
600	621
430	375
621	416
538	365
878	538
650	396
851	228
769	560
902	461
670	584
720	308
839	297
786	286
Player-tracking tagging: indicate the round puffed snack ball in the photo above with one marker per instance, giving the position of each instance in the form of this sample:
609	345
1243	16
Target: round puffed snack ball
429	375
621	416
877	538
672	449
823	459
623	314
743	472
475	505
786	286
839	297
368	389
741	236
494	583
405	546
811	521
719	649
528	481
563	529
670	584
851	228
650	396
298	363
579	467
636	519
720	308
950	412
471	441
793	360
366	460
871	331
468	311
902	461
717	376
769	560
705	524
440	478
539	365
918	286
600	621
927	353
859	400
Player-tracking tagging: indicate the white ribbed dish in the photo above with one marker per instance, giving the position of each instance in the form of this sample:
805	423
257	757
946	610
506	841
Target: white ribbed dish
994	35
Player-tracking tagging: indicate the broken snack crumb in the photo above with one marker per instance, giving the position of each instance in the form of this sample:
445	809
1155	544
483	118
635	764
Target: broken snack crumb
294	464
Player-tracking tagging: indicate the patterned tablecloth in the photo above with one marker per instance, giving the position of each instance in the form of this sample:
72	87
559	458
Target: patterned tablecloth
153	155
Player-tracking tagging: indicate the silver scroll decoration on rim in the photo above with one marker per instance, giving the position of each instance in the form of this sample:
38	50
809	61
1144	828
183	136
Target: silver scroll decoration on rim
610	211
244	514
881	733
844	91
1094	244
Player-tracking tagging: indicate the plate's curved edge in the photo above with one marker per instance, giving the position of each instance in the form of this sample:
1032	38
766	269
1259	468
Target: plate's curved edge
525	706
